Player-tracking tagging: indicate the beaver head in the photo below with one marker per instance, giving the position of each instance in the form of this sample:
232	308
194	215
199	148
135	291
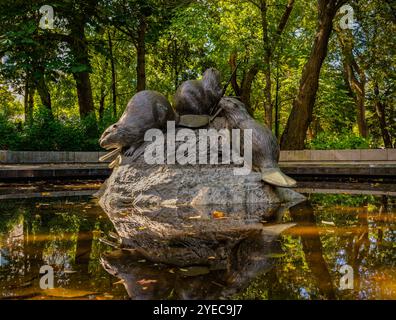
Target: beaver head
118	135
211	80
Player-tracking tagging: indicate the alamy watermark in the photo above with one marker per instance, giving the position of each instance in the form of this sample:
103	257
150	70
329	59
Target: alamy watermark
346	281
201	149
346	21
47	280
47	18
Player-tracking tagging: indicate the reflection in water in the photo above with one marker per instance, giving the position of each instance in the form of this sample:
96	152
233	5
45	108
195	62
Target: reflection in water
303	262
143	280
303	214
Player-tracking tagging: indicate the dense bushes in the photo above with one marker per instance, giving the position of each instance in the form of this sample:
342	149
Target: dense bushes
339	140
48	134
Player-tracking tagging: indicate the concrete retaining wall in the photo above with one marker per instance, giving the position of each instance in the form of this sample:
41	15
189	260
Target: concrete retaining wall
16	157
27	157
339	155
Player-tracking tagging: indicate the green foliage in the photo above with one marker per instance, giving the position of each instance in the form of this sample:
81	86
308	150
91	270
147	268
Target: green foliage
330	200
334	140
182	39
48	134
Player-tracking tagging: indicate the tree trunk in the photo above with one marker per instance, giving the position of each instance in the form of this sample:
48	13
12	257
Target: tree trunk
101	104
141	56
84	93
28	101
277	101
355	85
44	94
267	64
361	114
234	82
113	77
83	250
244	90
79	49
300	117
380	111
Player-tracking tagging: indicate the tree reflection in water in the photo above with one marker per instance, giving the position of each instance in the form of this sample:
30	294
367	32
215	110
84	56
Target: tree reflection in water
303	263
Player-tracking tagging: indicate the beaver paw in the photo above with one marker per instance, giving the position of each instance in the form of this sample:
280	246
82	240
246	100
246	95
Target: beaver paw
129	152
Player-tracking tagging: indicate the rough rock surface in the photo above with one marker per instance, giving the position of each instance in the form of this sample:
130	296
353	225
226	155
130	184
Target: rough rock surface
171	185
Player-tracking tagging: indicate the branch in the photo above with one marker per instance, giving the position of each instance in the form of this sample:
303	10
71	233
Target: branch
255	4
283	22
234	83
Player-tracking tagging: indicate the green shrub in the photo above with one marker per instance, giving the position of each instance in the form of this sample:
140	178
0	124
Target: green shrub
9	133
340	140
48	134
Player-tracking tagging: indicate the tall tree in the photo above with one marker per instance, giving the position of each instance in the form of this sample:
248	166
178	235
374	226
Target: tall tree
142	21
380	111
300	117
113	74
355	78
269	44
244	89
77	18
28	60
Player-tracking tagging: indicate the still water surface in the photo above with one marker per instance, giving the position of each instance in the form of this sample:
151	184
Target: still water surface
330	231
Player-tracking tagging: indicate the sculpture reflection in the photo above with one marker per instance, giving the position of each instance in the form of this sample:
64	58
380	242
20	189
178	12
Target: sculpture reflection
230	268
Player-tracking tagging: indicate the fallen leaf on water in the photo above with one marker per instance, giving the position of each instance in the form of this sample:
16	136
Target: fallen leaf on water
26	284
218	214
69	271
330	223
195	271
195	217
146	281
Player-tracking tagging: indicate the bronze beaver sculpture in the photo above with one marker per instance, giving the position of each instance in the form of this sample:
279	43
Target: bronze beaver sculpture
197	97
150	109
146	110
265	148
